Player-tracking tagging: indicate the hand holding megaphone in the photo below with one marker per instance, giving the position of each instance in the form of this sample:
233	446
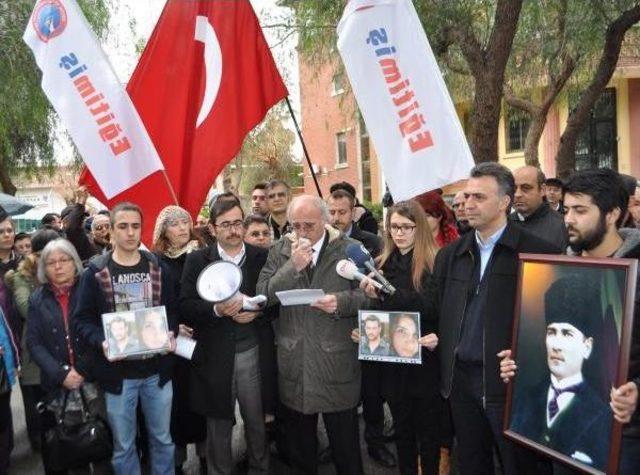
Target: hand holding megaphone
220	283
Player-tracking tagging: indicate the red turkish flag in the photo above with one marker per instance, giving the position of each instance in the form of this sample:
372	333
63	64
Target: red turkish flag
205	79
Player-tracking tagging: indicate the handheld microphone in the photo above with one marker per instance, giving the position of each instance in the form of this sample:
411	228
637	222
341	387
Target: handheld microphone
348	270
359	255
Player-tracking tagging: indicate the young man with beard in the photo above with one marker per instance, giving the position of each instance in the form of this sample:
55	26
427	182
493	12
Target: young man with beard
594	200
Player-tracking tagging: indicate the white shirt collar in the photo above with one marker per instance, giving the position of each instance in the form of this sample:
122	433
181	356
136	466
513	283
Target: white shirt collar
317	247
492	239
566	382
237	259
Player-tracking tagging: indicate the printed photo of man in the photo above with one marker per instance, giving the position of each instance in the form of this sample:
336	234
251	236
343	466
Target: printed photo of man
372	343
121	342
565	412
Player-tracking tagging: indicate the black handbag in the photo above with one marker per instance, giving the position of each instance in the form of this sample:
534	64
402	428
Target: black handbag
70	445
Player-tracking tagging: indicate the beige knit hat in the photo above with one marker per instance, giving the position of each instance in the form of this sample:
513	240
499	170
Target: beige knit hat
167	216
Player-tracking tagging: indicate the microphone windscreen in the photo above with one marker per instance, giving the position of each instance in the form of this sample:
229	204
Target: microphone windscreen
358	254
346	269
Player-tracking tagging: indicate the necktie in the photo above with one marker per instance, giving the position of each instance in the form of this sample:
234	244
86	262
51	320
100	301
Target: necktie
553	404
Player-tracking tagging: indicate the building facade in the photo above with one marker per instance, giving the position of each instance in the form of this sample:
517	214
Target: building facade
340	148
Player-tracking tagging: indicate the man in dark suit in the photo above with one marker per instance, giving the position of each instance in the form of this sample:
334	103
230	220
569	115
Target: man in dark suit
226	359
564	412
341	204
477	276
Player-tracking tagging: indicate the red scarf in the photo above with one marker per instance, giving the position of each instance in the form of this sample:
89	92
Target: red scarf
62	293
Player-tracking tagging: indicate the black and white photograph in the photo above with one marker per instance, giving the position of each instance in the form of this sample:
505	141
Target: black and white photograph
389	336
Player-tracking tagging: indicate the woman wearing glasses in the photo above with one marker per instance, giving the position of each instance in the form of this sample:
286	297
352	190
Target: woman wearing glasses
53	344
412	391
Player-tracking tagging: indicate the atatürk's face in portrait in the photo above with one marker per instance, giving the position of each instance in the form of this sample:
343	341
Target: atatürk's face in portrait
567	349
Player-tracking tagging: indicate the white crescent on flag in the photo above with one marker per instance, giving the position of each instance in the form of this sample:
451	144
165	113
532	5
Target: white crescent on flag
212	63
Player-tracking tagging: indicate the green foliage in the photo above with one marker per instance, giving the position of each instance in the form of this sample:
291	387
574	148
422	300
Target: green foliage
375	208
267	154
26	117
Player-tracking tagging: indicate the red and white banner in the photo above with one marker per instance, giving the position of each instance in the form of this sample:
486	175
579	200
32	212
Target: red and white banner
88	97
205	79
402	96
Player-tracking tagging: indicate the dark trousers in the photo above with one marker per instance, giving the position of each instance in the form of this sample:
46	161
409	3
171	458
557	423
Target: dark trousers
6	432
32	394
343	434
629	456
478	428
372	404
417	422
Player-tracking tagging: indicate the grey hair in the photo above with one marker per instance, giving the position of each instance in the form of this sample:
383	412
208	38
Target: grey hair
94	222
504	177
316	201
61	245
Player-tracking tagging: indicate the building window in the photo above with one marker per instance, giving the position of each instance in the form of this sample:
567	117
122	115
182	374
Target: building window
517	127
365	159
337	84
597	143
341	141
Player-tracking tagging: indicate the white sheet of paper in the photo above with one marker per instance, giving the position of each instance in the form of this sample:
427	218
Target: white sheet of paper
185	346
299	296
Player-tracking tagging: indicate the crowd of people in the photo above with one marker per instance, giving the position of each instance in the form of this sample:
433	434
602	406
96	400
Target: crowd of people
454	263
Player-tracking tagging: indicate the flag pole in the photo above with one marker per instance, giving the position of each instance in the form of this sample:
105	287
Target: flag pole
173	193
304	146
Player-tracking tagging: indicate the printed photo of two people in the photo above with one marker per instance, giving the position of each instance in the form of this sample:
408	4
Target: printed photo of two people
136	333
571	341
389	336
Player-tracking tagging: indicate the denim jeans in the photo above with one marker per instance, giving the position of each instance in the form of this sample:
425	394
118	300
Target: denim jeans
156	407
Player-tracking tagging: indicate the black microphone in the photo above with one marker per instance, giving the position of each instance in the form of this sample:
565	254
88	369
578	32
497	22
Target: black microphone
359	255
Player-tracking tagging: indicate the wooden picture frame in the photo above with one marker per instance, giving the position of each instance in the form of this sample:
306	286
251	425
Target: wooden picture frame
571	342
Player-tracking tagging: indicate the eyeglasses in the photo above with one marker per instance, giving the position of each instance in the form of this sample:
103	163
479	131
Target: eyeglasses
279	194
61	261
103	227
256	234
303	226
228	225
402	228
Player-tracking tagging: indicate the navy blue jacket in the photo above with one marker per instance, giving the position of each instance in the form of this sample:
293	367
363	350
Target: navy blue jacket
93	302
46	337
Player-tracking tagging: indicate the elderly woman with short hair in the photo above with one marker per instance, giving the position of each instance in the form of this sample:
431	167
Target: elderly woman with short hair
50	337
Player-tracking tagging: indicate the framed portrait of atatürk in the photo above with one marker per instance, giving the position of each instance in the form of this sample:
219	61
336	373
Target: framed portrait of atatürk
391	337
571	342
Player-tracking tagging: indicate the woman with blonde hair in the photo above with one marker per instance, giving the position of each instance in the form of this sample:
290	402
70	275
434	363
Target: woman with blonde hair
412	391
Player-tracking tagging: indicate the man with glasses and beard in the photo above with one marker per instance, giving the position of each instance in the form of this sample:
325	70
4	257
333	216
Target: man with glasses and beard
594	200
226	361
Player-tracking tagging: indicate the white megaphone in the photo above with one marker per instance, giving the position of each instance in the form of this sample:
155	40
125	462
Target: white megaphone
221	281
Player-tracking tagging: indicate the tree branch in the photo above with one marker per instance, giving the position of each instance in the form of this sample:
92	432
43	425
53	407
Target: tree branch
522	104
505	24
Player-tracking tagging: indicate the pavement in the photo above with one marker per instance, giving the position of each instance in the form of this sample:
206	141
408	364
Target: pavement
25	462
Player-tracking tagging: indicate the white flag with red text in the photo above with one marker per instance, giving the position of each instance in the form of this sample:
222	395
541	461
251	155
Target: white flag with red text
91	102
402	97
